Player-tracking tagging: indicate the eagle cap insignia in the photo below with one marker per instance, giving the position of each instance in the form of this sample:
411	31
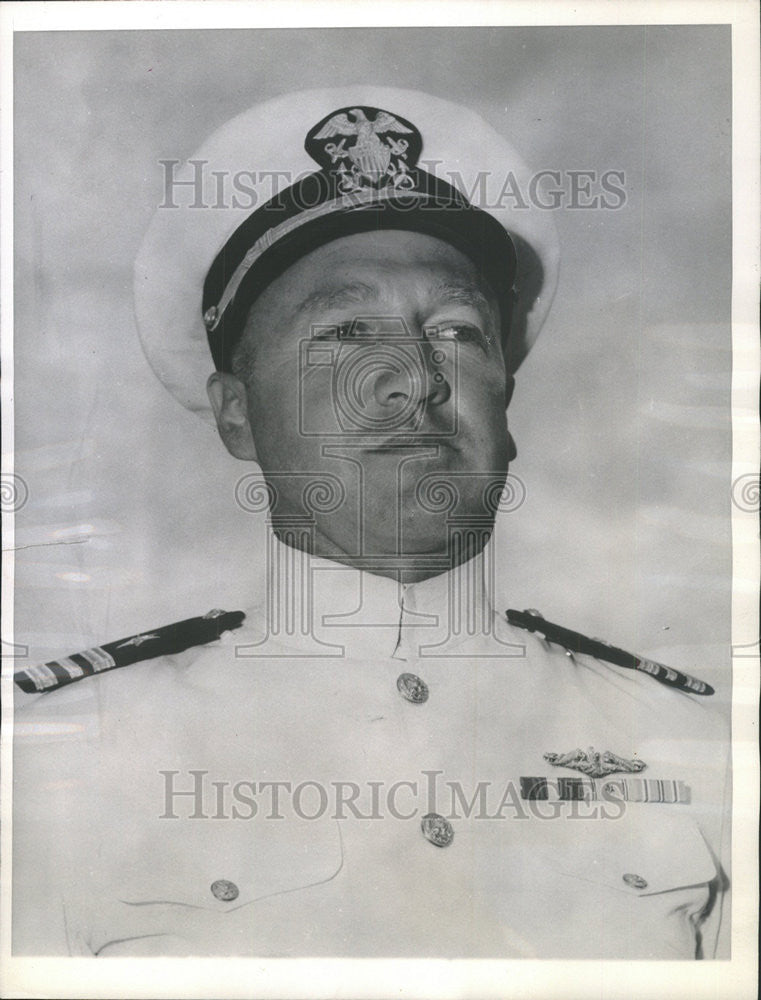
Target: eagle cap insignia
366	148
595	764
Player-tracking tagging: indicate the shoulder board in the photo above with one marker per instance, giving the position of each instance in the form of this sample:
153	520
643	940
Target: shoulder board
155	642
575	642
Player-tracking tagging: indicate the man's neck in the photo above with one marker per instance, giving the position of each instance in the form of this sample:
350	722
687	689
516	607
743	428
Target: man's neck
325	607
404	567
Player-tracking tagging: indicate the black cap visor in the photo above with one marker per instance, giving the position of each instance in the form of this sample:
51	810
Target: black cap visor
440	211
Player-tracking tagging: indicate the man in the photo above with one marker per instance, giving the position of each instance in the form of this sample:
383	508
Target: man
376	762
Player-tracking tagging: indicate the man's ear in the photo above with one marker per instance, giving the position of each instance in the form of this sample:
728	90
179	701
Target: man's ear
227	395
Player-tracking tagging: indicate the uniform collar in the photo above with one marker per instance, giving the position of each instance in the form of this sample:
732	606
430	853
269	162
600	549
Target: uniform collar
314	603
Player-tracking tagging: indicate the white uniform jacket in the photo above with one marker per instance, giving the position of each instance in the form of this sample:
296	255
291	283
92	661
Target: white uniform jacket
265	794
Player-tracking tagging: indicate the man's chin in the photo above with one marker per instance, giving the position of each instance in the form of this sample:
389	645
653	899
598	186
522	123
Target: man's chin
442	547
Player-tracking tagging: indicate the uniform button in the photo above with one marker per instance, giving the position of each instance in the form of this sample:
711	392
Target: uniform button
635	881
437	830
411	687
224	891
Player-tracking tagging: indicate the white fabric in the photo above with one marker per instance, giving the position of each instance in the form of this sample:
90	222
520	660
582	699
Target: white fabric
98	870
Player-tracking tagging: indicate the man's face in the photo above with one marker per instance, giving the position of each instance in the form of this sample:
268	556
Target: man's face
373	366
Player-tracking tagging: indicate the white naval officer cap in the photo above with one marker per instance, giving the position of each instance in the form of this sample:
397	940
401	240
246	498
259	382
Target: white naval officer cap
300	170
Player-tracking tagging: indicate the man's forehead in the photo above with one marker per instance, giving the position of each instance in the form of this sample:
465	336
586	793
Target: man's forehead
340	292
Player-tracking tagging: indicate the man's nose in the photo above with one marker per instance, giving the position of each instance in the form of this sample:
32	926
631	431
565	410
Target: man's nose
409	377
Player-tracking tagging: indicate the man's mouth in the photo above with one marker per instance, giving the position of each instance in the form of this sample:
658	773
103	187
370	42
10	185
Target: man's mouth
404	441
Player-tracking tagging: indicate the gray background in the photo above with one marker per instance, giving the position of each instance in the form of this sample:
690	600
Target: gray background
622	410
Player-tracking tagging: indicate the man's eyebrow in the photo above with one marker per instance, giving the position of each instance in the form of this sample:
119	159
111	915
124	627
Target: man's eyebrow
360	292
351	293
467	294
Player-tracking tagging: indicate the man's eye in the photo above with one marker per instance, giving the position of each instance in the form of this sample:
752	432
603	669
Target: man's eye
344	331
361	330
332	331
320	332
462	333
